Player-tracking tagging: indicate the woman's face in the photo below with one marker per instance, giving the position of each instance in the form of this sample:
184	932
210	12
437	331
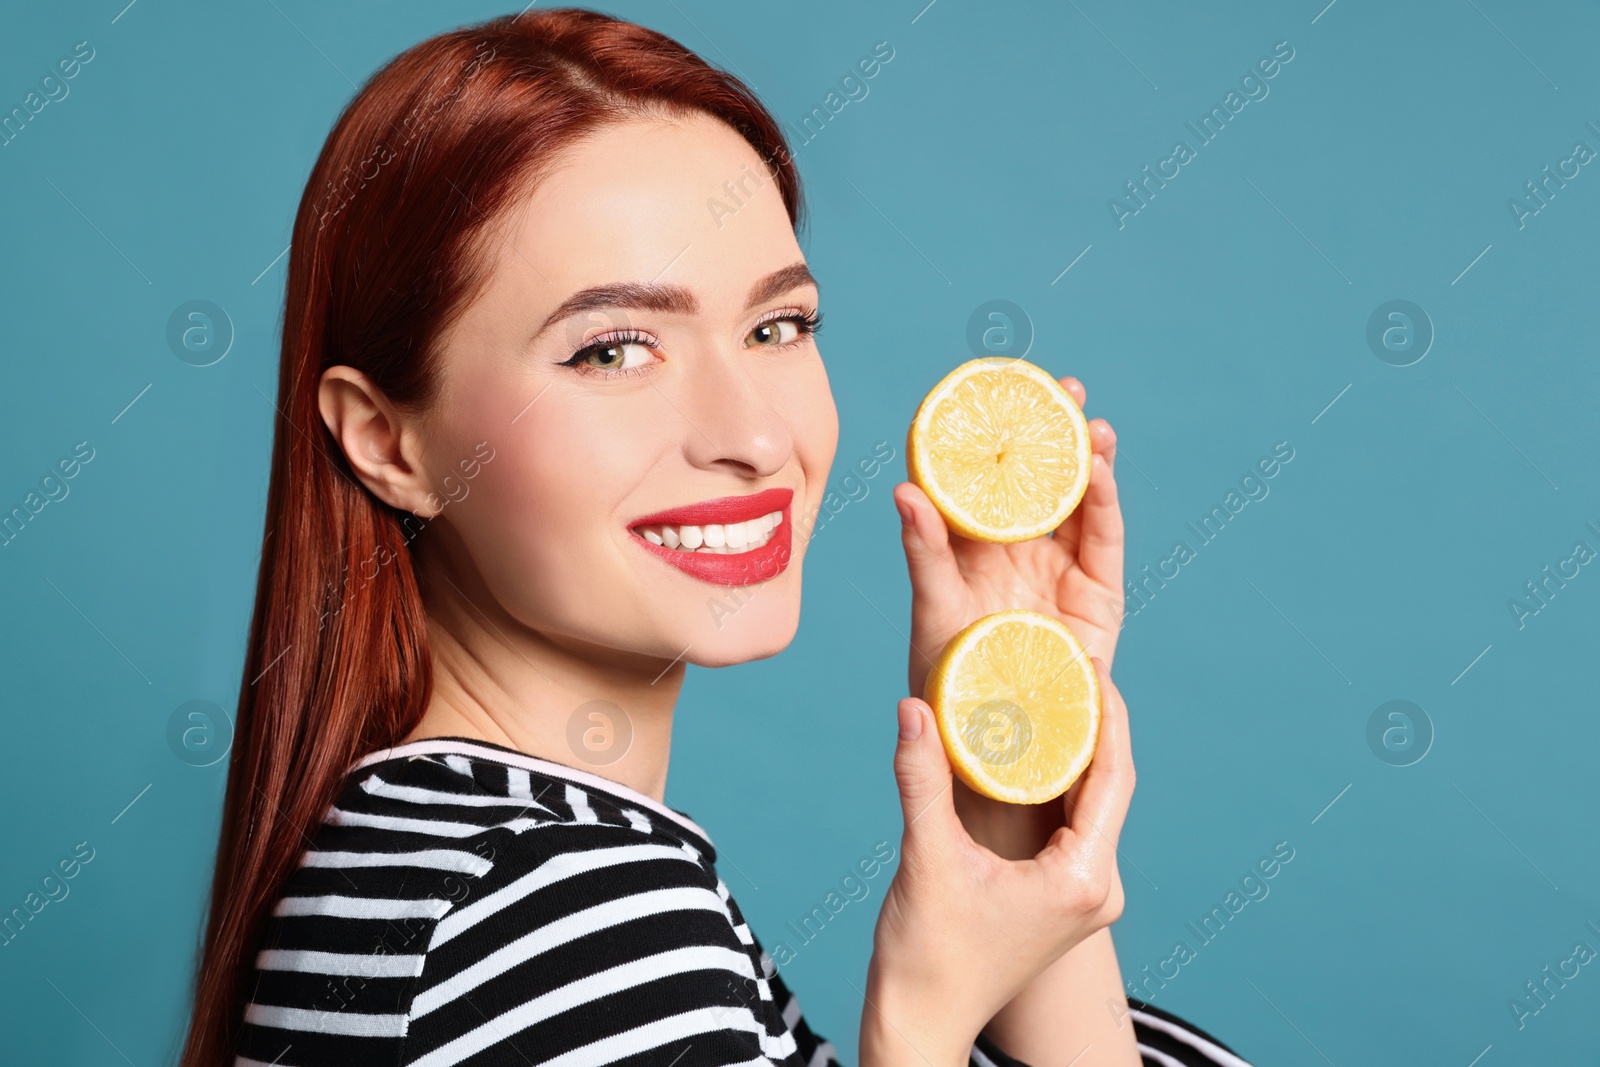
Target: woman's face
642	347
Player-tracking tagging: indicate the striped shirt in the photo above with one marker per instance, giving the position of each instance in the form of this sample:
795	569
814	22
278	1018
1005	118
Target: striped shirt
464	903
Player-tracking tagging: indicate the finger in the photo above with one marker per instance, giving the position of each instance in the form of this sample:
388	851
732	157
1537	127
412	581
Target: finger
1103	439
930	558
922	773
1102	805
1102	442
1080	395
1100	533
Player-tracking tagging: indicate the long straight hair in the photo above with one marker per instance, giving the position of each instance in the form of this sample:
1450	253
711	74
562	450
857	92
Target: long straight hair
383	256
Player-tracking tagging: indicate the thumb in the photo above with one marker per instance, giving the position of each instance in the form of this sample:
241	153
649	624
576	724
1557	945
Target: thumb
922	771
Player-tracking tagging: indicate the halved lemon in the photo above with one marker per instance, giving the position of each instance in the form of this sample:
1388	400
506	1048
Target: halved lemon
1017	702
1001	449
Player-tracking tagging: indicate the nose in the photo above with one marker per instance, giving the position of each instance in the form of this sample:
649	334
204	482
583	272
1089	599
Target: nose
731	423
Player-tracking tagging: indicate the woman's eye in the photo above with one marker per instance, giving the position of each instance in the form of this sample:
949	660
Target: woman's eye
615	355
776	332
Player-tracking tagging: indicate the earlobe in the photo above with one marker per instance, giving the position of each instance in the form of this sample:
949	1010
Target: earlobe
374	437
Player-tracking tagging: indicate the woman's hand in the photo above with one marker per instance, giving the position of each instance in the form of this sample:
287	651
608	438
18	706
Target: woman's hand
1074	575
963	930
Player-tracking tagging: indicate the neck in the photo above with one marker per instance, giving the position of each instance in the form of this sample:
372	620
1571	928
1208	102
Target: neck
494	679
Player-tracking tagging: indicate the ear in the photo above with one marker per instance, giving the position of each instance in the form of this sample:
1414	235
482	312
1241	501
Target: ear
381	443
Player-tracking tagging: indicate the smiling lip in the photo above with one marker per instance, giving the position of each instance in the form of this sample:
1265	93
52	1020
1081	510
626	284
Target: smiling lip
732	568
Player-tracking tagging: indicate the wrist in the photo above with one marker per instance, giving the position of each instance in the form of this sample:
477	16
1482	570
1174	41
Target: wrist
902	1028
1076	1002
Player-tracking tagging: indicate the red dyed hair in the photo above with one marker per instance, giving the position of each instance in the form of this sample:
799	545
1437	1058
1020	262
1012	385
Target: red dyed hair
383	257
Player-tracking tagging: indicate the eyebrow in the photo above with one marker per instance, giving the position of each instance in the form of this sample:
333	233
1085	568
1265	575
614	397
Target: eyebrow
653	296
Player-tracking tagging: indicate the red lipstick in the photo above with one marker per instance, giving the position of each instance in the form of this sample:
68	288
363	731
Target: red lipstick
730	568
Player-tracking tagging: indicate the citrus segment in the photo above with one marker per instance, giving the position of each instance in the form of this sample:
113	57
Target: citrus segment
1001	449
1017	703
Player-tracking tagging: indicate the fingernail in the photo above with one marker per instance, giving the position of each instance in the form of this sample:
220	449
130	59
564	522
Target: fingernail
904	509
910	722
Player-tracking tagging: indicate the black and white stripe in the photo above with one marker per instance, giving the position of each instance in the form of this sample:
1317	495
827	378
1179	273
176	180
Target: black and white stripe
465	904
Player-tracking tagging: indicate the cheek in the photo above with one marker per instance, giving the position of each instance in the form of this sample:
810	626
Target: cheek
814	419
542	520
570	469
531	493
816	430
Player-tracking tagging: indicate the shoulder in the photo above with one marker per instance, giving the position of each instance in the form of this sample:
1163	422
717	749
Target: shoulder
446	901
510	834
475	837
602	925
571	862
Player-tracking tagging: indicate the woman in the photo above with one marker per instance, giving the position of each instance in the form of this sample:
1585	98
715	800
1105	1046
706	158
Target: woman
537	403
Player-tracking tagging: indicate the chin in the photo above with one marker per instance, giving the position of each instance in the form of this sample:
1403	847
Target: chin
745	634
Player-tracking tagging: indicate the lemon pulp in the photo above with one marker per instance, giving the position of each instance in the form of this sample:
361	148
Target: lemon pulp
1017	703
1001	449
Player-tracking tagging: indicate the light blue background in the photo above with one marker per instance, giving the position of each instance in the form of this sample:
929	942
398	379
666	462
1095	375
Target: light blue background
1207	329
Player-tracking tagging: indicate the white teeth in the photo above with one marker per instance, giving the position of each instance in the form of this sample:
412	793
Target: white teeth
722	538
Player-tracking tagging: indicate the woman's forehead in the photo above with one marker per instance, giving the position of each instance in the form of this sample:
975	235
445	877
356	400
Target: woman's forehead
683	201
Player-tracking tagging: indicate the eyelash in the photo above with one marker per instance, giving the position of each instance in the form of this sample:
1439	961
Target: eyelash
808	320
